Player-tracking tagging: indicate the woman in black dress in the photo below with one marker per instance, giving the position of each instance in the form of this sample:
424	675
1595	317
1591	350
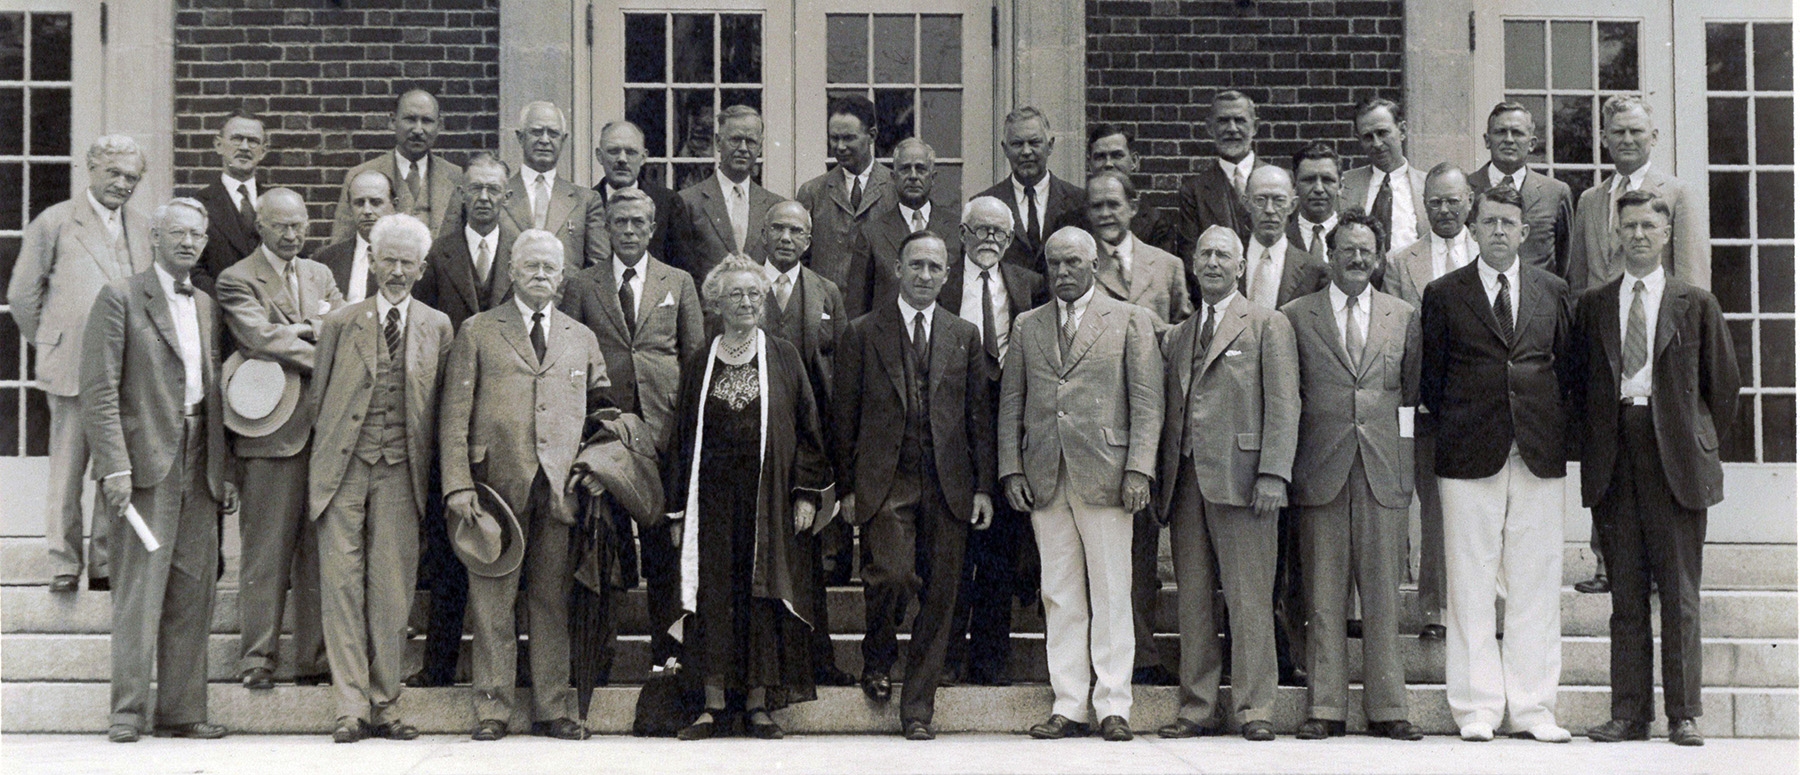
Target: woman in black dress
747	476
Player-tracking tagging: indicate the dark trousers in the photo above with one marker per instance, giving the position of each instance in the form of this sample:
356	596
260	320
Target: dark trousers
917	548
984	602
824	656
1651	538
1290	593
448	581
661	565
1145	586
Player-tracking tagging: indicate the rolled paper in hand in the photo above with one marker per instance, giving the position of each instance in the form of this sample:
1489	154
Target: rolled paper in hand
143	530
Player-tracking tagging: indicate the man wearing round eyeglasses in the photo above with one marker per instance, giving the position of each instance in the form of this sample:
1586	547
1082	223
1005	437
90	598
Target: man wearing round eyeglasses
543	200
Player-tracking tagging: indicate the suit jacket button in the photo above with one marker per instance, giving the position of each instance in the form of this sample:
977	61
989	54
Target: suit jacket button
1060	413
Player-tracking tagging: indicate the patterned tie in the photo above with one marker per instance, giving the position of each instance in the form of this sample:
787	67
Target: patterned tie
1503	310
1637	340
292	279
1353	338
246	208
740	216
990	338
1237	179
392	332
538	344
1505	182
540	202
1206	332
856	196
626	304
1263	291
1383	209
1112	268
1069	328
784	290
484	261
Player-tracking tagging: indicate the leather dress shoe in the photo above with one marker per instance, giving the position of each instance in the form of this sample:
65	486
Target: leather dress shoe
1182	728
489	729
761	726
313	679
1058	727
394	730
1400	729
100	584
562	729
1432	632
918	730
424	680
701	729
122	733
350	729
1598	585
1154	675
877	687
65	583
198	730
1619	730
1115	729
258	679
1319	729
1258	731
1685	732
831	675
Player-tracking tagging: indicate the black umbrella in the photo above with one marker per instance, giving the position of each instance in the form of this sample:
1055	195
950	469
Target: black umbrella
599	576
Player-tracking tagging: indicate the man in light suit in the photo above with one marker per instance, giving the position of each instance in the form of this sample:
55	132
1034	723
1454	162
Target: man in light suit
426	185
1215	196
1226	457
68	253
1447	247
620	156
875	254
1110	149
915	449
1549	205
1041	202
230	199
375	382
1497	376
1081	403
647	319
273	303
1318	178
725	211
1629	133
151	355
542	200
845	199
1359	376
1661	382
352	262
1388	188
523	377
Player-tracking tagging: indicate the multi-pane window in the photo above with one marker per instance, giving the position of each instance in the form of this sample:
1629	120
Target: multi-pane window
1565	70
35	84
681	69
910	66
1750	179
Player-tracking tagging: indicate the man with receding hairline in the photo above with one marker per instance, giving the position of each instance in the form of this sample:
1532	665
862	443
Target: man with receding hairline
1214	197
352	261
1110	149
1388	188
426	185
621	155
1511	137
726	211
542	199
876	251
230	199
1041	202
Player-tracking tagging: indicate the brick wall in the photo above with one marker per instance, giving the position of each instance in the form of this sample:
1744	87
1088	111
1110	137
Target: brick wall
1154	65
326	76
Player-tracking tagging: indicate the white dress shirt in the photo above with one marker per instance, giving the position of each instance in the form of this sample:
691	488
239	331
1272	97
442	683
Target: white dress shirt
1306	231
1073	310
908	313
922	216
970	308
851	180
1264	286
1041	191
109	218
359	272
1360	318
231	187
187	335
1241	168
527	311
1218	312
1495	176
1631	182
1490	283
531	178
382	305
773	275
1404	230
1122	251
402	165
476	240
1638	385
1448	255
637	279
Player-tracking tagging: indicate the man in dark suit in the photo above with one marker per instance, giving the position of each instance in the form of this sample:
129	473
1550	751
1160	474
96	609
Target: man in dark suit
1214	197
151	356
1040	201
1318	180
915	448
231	199
991	294
426	186
621	158
1109	150
1497	376
844	199
1549	205
1661	386
541	199
725	211
372	198
875	255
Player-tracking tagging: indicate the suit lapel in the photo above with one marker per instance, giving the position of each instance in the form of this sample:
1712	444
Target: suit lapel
519	204
367	334
1324	317
1531	295
1382	326
890	338
562	202
512	329
91	233
1016	292
951	295
714	207
461	271
1093	322
609	297
1609	332
158	307
834	189
1475	295
500	276
442	191
1674	308
656	286
274	288
1227	328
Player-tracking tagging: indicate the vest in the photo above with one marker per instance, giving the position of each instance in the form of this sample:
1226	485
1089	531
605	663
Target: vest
915	438
383	435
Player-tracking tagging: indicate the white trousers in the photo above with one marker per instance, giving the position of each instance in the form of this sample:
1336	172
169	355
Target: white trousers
1086	556
1503	537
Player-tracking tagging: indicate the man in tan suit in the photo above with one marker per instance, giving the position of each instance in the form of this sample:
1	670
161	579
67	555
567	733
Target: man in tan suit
1080	405
1359	380
1226	458
540	199
375	383
522	379
1595	257
151	355
425	185
273	301
69	252
726	211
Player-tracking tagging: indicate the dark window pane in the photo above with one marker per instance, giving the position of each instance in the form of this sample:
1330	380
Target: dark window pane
691	173
1618	55
1774	277
1774	130
9	350
1731	277
49	121
1572	55
1744	346
646	48
1577	179
12	211
1737	444
1774	59
1574	130
940	121
740	48
1525	55
1727	122
1777	353
846	48
656	172
9	422
894	52
51	46
12	53
9	255
948	188
693	47
37	423
893	119
751	97
1730	205
694	122
49	185
1778	429
940	57
1725	56
12	114
648	108
1535	104
1774	205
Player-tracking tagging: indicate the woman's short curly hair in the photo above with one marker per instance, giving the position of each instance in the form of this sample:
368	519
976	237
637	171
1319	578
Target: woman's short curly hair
712	289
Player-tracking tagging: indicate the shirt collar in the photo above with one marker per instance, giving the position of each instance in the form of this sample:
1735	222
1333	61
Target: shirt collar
612	189
231	184
1339	298
402	164
1123	250
382	305
1306	226
1078	306
1653	283
908	311
1518	176
278	262
619	265
1242	166
362	247
1253	244
793	273
1636	178
906	213
492	238
1439	244
1399	174
165	279
1488	272
1040	190
726	184
1219	309
106	215
851	179
527	311
531	177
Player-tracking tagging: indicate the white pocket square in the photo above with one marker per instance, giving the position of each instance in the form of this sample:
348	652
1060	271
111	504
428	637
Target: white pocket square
824	316
1229	353
668	301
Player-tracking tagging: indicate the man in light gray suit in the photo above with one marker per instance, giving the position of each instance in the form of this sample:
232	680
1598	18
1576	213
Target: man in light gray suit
1081	403
540	199
375	383
71	250
426	186
1388	188
151	355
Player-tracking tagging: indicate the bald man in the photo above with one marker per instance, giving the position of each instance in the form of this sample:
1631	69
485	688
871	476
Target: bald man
425	185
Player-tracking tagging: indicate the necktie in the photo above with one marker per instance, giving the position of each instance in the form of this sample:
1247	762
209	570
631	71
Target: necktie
246	208
1383	209
1111	267
626	304
990	339
1318	242
292	279
540	202
1503	310
918	221
412	184
784	289
1068	330
186	288
740	216
1264	291
484	262
1206	332
921	342
1505	182
392	332
537	335
1353	338
1031	215
856	196
1637	345
1237	179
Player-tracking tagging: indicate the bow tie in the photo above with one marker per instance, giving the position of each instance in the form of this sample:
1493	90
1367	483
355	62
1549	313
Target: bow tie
184	287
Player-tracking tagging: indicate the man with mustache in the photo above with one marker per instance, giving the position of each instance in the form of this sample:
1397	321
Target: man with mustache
1511	136
1214	197
725	212
541	200
1041	202
68	253
1110	150
620	157
352	261
231	199
844	199
1388	188
426	186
